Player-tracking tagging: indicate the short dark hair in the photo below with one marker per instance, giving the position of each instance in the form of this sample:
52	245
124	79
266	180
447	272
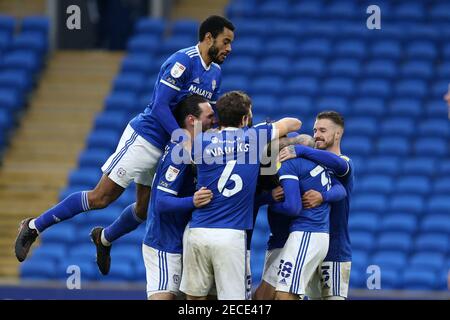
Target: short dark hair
187	106
334	116
231	107
215	25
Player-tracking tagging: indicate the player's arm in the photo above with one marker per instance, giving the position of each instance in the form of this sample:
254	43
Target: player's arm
264	198
284	126
168	88
313	198
292	204
339	165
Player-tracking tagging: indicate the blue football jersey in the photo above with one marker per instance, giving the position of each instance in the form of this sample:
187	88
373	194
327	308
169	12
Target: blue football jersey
165	231
279	226
182	74
340	245
309	175
228	164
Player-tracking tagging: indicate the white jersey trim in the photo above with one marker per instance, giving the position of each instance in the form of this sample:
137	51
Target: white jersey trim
169	85
167	190
288	176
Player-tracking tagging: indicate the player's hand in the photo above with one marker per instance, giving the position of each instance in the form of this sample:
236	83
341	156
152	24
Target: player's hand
447	96
202	197
311	199
278	194
287	153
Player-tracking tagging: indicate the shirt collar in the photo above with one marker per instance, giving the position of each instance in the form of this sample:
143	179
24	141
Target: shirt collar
201	59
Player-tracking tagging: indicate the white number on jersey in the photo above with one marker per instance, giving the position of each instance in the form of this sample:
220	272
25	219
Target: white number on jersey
225	176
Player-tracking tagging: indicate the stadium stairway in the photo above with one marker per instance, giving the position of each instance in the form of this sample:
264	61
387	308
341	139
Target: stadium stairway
197	9
22	8
51	135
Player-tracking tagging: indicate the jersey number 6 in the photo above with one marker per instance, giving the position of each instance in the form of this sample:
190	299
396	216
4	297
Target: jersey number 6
225	176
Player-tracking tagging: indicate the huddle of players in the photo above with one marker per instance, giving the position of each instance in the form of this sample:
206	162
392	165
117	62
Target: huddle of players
198	242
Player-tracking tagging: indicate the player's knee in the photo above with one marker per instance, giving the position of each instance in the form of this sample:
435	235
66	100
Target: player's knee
141	211
99	200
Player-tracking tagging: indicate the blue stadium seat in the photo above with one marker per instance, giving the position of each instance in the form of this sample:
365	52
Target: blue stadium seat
11	100
338	87
174	43
103	217
376	183
435	223
121	101
439	203
309	67
435	128
363	221
315	48
375	88
111	120
106	139
128	252
436	108
359	258
357	279
93	158
364	241
418	165
417	69
250	27
7	24
242	66
389	259
21	60
39	24
413	185
16	79
296	104
270	85
443	70
336	103
421	49
393	146
441	185
381	69
431	147
302	85
139	63
283	47
282	28
86	176
405	107
400	241
278	10
185	27
407	203
341	10
307	9
38	269
411	88
356	145
120	271
424	31
129	82
440	12
274	66
241	9
52	251
401	222
368	107
59	234
134	238
385	164
397	127
419	279
84	252
369	202
265	105
312	30
390	278
345	68
233	82
144	44
5	40
30	41
410	11
432	242
149	26
350	49
386	49
438	89
249	47
361	126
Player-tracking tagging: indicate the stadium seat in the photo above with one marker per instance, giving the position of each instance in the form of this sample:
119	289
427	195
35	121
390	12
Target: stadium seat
16	79
441	185
432	242
296	105
121	271
7	24
235	82
439	203
368	107
128	252
364	241
434	128
413	185
315	48
309	67
152	26
381	69
21	60
363	221
400	241
440	12
270	85
369	202
306	9
38	269
431	146
174	43
52	251
390	259
39	24
278	10
111	120
85	177
105	139
345	68
397	126
302	85
417	69
443	70
436	223
350	49
59	234
390	278
411	89
393	146
265	105
244	66
121	101
419	279
33	42
399	222
282	48
376	183
418	165
435	108
375	88
130	82
186	27
405	107
11	100
248	47
361	126
139	63
386	49
407	203
338	86
421	49
355	145
411	11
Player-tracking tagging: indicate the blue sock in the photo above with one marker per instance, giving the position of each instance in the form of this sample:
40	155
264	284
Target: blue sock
71	206
125	223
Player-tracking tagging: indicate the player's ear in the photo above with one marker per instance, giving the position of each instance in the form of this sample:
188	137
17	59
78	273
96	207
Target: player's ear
209	38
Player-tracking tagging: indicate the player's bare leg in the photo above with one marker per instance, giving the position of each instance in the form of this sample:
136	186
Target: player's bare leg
162	296
279	295
142	200
264	292
188	297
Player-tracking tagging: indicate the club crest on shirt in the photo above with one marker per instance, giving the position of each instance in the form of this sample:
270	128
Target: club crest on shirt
214	84
172	173
177	70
